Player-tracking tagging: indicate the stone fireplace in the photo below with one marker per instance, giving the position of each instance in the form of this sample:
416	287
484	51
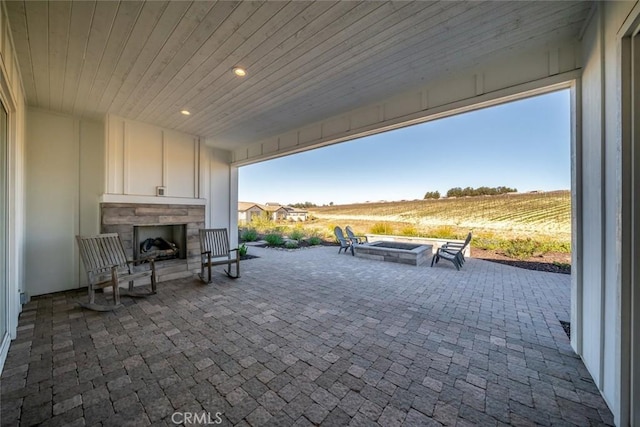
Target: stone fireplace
136	222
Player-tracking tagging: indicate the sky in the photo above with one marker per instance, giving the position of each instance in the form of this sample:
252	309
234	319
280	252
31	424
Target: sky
523	144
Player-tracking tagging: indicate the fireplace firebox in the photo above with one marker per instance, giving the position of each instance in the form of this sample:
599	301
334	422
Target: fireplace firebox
161	242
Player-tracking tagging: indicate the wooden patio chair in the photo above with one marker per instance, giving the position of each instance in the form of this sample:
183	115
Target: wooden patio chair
344	242
214	250
107	265
355	239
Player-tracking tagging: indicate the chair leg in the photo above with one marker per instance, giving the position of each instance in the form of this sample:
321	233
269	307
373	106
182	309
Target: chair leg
92	294
91	304
153	277
116	294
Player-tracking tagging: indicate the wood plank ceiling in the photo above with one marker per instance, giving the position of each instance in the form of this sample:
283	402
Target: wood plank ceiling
306	61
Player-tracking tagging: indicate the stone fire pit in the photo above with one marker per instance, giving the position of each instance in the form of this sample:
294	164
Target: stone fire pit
400	252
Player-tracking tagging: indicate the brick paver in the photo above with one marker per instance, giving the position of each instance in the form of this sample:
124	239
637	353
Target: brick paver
309	337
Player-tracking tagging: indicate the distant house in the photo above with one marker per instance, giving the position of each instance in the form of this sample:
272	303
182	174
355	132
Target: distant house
247	211
276	212
296	214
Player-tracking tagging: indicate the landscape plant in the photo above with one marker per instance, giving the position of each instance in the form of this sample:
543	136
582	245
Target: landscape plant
262	222
410	231
291	244
242	250
274	239
314	240
297	234
249	235
381	228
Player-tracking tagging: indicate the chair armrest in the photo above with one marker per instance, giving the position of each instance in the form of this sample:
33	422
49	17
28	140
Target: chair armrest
449	251
234	249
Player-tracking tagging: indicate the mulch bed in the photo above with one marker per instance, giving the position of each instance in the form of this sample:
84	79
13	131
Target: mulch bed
553	262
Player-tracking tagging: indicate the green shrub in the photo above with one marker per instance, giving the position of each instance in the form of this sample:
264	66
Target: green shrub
381	228
314	240
291	245
242	250
296	234
562	264
522	248
249	235
274	239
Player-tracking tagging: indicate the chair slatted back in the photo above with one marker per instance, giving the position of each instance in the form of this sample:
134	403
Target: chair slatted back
466	242
214	240
99	253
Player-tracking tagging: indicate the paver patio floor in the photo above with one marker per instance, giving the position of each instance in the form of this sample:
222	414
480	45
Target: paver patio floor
309	338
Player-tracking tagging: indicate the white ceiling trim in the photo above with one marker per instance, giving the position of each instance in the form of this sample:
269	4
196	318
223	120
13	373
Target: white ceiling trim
520	76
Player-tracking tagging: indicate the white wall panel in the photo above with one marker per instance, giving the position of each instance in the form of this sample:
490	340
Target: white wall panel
220	190
605	325
92	166
14	101
115	156
592	285
180	157
52	202
143	159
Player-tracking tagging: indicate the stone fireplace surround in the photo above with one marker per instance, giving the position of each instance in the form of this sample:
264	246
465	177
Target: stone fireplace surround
121	217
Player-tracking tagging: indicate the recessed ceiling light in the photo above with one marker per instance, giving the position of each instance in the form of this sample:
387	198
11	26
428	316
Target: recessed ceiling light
240	72
185	112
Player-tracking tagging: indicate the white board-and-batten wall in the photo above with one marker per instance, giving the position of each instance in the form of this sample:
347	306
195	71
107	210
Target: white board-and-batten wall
12	267
75	164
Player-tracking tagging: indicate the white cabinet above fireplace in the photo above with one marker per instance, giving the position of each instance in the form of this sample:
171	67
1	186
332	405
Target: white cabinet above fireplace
141	157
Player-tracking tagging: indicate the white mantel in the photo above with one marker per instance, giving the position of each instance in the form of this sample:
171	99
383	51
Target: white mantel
128	198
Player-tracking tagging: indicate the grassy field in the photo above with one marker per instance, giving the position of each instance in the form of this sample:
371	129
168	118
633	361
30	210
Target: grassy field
518	225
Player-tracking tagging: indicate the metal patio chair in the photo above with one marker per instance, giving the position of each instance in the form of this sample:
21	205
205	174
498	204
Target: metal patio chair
355	239
345	243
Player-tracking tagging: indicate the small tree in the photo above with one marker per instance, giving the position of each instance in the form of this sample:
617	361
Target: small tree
432	195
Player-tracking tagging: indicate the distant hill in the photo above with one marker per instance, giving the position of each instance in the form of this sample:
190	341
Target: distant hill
547	212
